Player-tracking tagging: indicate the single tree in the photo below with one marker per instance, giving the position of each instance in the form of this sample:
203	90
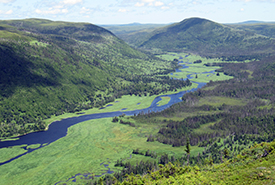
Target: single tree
226	153
187	150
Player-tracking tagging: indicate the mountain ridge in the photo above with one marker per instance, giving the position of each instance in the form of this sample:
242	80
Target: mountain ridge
206	37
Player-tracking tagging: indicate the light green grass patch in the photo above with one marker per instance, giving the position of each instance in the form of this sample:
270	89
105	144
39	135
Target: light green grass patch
205	78
204	128
164	100
12	35
37	43
9	139
33	146
250	73
8	153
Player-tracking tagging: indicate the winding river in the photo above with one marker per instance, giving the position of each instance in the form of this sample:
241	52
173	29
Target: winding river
58	129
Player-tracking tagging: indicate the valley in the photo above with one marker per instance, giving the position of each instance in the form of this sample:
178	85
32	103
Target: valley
80	106
110	141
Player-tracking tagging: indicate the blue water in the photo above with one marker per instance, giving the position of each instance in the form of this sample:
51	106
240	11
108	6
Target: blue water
58	129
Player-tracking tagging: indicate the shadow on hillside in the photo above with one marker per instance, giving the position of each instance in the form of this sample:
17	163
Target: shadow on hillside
17	71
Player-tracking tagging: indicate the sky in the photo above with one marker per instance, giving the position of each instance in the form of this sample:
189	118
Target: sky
142	11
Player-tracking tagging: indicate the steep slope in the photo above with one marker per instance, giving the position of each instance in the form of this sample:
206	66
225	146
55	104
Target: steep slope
208	38
51	67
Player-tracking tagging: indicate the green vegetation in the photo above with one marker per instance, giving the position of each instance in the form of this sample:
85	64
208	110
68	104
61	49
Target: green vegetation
51	68
254	166
8	153
197	70
164	100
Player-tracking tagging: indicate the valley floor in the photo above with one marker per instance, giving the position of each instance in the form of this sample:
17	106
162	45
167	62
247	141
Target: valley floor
91	147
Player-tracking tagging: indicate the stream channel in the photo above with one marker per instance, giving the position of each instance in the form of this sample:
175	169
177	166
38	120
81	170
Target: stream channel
58	129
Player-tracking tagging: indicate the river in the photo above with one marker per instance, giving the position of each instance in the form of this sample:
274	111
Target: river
58	129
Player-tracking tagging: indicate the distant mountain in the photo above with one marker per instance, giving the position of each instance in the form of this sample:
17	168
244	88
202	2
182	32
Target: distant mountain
48	68
133	33
206	37
262	28
250	22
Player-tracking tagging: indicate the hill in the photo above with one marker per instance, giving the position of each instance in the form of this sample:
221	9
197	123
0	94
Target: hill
207	38
49	68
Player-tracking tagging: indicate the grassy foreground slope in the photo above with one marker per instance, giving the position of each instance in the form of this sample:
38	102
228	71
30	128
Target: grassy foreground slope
48	68
253	166
208	38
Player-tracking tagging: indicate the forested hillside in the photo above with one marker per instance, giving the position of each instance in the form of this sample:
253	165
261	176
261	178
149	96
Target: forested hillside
48	68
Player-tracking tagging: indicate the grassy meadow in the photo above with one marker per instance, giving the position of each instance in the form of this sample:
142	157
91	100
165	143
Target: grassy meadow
196	69
86	146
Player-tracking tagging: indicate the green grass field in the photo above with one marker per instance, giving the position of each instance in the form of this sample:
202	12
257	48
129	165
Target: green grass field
196	68
85	147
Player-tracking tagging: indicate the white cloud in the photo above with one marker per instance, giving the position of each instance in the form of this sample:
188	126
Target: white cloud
58	6
142	3
6	1
242	9
9	12
51	11
72	2
122	10
165	7
64	11
85	10
6	12
158	3
147	1
138	4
